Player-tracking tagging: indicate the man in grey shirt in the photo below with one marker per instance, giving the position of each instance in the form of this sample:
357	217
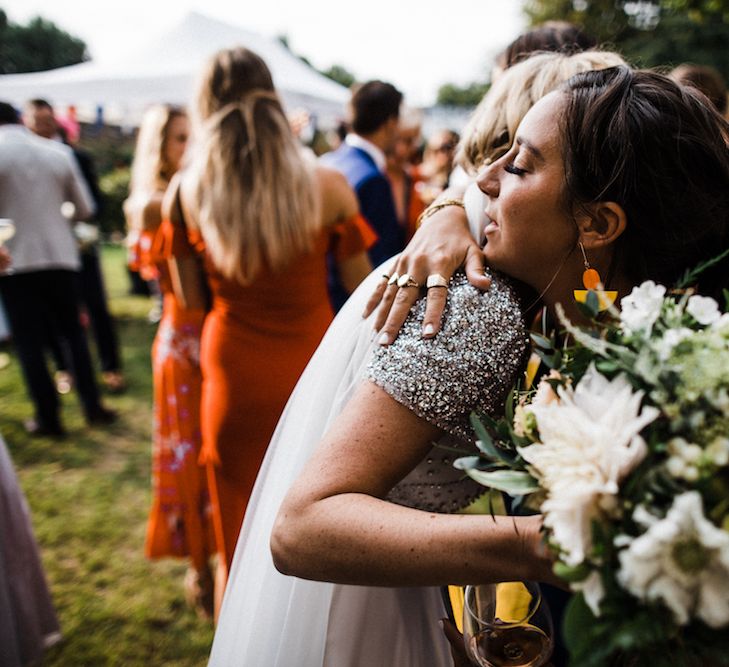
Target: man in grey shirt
37	176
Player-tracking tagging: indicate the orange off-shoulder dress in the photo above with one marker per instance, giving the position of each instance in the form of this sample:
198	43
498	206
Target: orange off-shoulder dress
180	519
256	341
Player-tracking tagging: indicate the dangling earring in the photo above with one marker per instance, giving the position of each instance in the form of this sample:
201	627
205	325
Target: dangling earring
593	283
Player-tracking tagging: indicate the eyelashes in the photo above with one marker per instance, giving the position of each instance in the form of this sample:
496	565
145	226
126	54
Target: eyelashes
513	169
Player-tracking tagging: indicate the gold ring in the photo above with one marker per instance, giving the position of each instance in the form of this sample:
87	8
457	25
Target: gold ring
436	280
406	280
393	278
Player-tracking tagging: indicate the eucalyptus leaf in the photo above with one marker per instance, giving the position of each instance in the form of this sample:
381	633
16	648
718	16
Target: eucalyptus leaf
542	341
513	482
467	462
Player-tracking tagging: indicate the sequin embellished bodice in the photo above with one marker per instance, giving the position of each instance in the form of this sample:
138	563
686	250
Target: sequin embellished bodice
470	364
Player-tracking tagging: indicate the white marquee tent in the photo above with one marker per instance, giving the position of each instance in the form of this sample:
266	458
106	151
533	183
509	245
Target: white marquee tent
165	71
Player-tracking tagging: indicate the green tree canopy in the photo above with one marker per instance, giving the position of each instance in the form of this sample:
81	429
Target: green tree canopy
340	75
450	94
649	33
37	46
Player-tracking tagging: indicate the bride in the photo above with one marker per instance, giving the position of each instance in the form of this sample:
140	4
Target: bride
334	524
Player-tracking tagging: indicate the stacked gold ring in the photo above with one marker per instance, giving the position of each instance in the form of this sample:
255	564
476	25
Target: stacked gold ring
436	280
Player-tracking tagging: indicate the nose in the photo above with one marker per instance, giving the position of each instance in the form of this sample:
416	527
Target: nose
487	179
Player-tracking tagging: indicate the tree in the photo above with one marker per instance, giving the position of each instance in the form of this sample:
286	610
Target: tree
649	33
450	94
340	75
38	46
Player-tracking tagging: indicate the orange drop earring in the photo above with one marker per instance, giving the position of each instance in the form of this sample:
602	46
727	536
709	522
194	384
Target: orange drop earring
593	283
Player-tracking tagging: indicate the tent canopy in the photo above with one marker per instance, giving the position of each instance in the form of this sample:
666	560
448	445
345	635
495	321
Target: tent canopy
166	70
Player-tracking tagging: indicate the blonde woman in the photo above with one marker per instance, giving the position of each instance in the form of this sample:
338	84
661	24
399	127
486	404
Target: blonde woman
260	217
179	521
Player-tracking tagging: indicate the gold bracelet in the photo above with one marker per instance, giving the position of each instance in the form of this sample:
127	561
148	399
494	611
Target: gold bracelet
434	208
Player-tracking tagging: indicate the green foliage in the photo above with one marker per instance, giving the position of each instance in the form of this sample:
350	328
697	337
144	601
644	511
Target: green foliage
655	33
115	186
451	94
111	151
40	45
340	75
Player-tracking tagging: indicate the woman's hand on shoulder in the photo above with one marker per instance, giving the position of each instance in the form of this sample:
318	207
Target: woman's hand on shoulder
438	249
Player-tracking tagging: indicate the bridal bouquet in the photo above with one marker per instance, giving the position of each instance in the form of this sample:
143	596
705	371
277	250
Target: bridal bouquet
624	448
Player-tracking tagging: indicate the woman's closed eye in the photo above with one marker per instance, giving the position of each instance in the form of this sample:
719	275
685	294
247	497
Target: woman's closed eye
513	169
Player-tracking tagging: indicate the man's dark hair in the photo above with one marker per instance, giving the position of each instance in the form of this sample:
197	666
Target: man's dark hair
8	114
373	104
39	103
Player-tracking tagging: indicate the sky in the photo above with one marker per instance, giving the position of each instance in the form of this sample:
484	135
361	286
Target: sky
416	45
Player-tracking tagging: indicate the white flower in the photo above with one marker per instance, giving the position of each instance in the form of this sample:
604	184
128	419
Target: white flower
669	340
589	442
703	309
722	324
592	590
641	308
683	561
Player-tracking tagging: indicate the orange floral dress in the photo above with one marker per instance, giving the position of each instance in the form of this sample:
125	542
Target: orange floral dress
180	522
256	341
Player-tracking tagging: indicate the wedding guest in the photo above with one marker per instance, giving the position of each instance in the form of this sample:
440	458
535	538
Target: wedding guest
28	623
553	36
39	117
36	177
375	110
433	174
705	78
179	520
401	171
318	618
260	217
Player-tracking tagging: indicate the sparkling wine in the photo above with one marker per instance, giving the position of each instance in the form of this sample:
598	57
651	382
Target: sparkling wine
520	646
7	230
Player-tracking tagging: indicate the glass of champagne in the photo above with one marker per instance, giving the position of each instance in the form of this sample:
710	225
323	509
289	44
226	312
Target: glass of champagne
7	230
507	625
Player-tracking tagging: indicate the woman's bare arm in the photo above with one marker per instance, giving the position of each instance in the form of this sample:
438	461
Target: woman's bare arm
335	526
441	245
185	275
339	203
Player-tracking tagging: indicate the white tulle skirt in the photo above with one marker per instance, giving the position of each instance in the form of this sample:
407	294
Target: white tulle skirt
272	620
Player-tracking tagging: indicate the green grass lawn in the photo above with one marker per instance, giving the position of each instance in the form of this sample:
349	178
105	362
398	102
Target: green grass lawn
89	496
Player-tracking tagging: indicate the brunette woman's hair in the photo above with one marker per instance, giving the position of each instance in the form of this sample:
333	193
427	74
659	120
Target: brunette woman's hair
655	147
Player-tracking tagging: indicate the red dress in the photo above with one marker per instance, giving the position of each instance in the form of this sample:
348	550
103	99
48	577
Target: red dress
180	522
256	341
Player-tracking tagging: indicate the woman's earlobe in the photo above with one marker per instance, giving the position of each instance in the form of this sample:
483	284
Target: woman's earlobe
602	226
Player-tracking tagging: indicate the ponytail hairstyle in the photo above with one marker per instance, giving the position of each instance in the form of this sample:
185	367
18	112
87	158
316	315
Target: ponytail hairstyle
253	190
659	150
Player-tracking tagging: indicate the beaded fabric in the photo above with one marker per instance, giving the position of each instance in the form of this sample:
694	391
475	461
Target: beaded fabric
470	364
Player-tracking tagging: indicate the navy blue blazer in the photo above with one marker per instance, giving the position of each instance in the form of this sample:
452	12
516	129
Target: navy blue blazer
376	205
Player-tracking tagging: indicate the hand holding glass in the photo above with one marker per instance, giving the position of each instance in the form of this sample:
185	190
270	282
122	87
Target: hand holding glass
507	625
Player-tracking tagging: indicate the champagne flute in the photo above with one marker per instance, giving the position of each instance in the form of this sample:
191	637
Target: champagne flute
7	230
507	625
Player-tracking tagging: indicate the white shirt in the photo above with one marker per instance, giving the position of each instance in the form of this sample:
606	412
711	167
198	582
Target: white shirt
375	152
36	177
